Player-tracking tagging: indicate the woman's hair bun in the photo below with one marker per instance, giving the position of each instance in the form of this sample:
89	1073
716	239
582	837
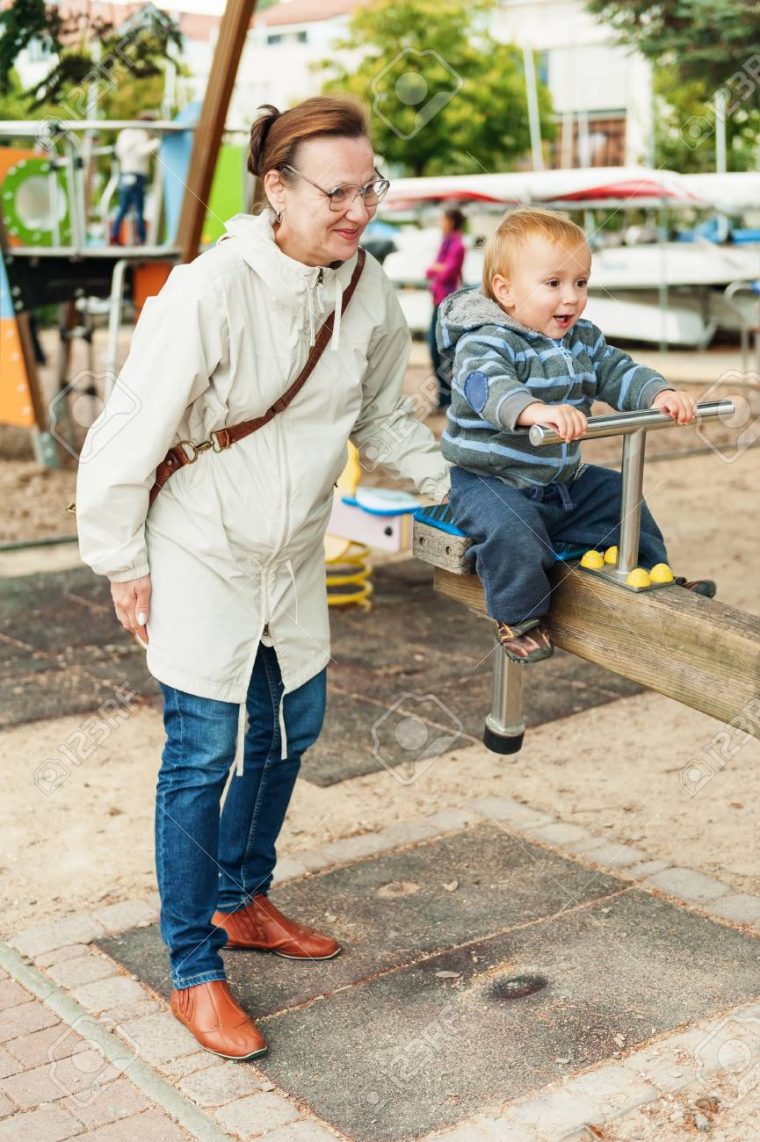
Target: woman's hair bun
259	133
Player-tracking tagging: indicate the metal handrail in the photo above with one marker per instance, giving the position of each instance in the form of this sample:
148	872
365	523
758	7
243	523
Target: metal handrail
625	423
633	427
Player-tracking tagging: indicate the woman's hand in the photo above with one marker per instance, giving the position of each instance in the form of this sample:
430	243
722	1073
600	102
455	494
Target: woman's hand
131	602
677	404
568	422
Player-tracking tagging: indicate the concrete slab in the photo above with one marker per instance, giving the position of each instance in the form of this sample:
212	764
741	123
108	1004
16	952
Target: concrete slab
391	909
61	651
424	1047
477	968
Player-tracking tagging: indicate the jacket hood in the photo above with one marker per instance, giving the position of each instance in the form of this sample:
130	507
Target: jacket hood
468	309
291	282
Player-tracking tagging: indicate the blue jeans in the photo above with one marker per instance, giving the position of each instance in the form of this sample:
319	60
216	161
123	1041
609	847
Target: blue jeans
200	866
516	531
131	194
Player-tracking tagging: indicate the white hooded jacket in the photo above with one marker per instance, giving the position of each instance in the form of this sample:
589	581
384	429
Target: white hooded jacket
234	541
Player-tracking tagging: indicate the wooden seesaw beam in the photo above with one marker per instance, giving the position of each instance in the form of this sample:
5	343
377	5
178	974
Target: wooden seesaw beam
699	651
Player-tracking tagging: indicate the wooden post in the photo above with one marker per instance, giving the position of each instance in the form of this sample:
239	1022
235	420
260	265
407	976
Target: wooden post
208	133
699	651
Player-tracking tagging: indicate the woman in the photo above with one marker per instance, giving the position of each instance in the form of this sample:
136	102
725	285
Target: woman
221	574
445	276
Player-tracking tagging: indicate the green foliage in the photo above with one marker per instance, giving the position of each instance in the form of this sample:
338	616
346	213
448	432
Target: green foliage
685	117
709	41
96	54
445	96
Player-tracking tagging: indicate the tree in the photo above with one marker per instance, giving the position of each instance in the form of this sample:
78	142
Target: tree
706	60
91	52
446	97
706	40
684	127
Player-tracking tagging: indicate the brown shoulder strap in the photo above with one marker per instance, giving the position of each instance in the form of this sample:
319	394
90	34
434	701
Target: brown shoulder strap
178	456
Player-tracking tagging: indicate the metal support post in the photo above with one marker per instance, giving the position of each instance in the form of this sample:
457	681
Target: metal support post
505	729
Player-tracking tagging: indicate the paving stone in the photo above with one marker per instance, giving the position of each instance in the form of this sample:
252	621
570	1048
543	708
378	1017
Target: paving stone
302	1131
83	969
408	832
613	855
47	1045
288	868
643	869
157	1038
492	808
480	1132
56	934
6	1106
552	1114
257	1114
58	955
135	1009
219	1085
188	1064
81	1075
312	860
48	1124
352	848
451	819
670	1064
8	1064
559	834
3	974
118	1099
11	995
741	907
127	914
104	994
151	1126
21	1020
522	816
687	884
614	1089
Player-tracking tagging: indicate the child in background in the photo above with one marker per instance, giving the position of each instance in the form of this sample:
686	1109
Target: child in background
522	356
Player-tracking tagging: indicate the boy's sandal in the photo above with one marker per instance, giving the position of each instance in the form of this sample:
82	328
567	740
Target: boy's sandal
525	642
704	587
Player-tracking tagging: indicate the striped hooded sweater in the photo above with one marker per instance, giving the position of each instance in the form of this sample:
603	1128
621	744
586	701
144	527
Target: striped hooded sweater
500	367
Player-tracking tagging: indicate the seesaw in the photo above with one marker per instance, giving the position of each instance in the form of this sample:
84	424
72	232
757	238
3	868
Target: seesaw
697	650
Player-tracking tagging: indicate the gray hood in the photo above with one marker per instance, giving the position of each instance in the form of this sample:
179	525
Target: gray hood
466	310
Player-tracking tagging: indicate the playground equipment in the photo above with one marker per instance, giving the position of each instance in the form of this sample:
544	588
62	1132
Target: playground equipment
697	650
52	249
362	518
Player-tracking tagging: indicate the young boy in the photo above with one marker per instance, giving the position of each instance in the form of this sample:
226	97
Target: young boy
522	356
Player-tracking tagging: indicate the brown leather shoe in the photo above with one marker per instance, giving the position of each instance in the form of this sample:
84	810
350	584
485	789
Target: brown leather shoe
212	1014
263	927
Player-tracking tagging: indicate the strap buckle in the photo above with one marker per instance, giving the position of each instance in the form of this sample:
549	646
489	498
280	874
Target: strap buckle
216	442
192	451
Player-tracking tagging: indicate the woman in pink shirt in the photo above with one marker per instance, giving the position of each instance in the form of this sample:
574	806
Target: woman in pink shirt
445	276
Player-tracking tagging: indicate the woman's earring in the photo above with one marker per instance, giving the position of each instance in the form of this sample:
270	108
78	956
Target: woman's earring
277	217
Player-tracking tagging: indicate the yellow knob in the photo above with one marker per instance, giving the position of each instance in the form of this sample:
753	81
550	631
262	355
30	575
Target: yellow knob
593	559
610	555
661	573
638	578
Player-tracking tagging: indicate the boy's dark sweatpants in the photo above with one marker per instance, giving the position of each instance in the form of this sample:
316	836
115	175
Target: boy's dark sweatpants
516	531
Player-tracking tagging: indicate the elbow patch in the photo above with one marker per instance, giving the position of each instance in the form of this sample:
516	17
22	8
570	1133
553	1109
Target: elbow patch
476	390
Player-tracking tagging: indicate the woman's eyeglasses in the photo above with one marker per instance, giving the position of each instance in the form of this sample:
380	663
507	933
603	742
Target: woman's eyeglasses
343	196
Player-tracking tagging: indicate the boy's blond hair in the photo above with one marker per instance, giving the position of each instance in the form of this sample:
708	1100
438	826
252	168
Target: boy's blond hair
514	231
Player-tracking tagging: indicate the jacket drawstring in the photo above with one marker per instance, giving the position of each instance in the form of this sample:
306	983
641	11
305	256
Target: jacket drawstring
240	745
335	339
